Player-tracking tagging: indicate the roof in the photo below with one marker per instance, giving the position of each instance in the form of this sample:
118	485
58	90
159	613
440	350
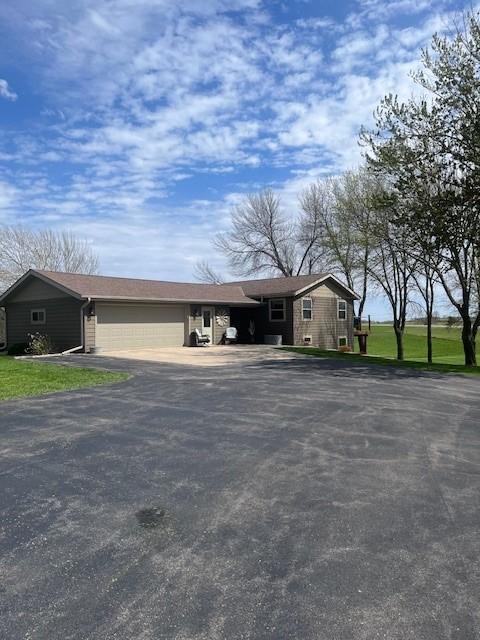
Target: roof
291	286
234	293
113	288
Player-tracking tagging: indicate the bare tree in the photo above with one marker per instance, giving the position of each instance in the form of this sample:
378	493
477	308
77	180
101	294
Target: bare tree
262	239
205	273
22	249
339	205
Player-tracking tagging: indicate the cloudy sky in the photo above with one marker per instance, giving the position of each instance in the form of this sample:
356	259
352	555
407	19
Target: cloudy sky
139	123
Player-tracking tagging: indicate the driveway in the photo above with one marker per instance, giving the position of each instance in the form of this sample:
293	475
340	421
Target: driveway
209	356
298	499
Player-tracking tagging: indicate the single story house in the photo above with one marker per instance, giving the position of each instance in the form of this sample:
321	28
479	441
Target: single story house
87	311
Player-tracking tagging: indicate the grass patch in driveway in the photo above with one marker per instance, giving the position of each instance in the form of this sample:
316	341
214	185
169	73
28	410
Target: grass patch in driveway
356	358
19	378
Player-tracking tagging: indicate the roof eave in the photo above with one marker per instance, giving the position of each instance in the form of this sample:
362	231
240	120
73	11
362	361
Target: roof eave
328	276
40	276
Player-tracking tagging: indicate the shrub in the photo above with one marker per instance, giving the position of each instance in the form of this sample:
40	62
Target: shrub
17	349
38	344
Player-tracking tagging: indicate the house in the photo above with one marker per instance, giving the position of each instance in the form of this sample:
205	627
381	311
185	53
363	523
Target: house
87	311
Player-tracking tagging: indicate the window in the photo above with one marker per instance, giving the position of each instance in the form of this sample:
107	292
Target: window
37	316
342	341
307	339
207	319
342	309
307	305
277	309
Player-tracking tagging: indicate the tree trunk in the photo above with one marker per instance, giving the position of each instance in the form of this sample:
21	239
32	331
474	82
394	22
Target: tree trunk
468	340
399	337
429	339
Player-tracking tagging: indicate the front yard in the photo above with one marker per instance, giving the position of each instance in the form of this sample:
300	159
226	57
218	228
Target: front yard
357	359
21	378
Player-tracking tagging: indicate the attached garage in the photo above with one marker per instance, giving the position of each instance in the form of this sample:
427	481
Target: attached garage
85	312
136	326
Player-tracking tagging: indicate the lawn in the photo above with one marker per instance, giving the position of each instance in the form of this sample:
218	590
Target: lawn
447	344
357	359
21	378
447	349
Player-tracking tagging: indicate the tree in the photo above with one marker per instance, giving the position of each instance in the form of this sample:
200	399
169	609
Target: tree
263	240
391	265
342	206
22	249
205	273
429	151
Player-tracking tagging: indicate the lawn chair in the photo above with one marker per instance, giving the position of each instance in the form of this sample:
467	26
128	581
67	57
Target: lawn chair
231	335
197	339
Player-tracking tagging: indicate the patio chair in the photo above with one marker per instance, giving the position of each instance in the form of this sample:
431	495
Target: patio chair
197	339
231	335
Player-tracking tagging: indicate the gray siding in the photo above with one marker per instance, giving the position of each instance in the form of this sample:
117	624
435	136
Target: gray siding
35	289
62	321
324	328
89	327
196	322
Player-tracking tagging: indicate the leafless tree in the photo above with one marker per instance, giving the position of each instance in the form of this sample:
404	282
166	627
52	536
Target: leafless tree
22	249
339	204
262	239
205	273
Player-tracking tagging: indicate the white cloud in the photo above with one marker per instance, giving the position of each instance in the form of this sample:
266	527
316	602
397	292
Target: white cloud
144	96
6	92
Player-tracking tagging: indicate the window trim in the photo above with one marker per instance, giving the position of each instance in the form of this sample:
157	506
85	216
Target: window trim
311	309
342	338
341	301
283	300
32	321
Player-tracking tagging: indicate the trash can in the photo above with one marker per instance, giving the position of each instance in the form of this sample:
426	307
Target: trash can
362	341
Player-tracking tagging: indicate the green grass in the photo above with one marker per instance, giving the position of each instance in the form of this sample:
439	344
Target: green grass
19	378
356	359
447	344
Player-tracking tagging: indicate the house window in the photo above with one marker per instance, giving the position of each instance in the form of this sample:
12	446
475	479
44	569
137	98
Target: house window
37	316
342	309
307	339
307	305
342	341
277	309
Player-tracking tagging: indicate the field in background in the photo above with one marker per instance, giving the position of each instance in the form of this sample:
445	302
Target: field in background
447	344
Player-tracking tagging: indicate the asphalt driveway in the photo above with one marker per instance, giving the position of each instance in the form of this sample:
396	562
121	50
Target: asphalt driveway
302	499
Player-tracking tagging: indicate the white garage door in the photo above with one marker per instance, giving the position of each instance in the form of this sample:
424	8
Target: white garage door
132	326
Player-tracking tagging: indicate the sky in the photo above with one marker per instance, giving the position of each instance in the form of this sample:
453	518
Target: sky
139	124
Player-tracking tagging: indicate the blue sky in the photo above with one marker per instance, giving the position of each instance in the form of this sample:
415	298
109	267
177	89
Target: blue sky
140	123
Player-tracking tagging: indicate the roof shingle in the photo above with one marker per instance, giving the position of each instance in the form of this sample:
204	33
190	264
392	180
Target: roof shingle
278	286
107	287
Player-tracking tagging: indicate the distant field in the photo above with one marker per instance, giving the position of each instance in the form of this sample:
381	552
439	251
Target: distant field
447	343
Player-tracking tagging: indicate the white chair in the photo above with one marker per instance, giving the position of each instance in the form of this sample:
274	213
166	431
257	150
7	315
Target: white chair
197	339
231	335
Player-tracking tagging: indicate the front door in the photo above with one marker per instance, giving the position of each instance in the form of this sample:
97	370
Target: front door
207	322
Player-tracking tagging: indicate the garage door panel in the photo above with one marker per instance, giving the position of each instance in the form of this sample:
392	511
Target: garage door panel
139	326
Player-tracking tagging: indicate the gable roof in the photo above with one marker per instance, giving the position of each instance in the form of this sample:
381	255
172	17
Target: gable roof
235	293
294	285
112	288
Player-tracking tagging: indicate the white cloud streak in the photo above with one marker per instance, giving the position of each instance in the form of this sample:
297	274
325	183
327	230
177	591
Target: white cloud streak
6	92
